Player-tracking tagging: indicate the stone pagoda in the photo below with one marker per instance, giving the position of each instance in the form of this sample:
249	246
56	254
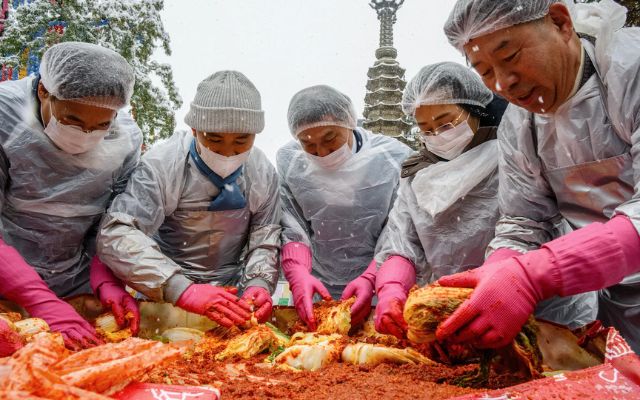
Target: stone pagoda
382	111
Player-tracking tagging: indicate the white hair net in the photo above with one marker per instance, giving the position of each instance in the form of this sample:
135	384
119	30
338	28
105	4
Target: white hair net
473	18
87	73
320	106
445	83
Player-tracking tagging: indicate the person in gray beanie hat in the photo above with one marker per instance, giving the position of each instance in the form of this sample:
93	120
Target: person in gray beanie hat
226	102
201	213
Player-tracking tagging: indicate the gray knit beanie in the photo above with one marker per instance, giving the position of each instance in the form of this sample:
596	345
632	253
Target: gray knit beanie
226	102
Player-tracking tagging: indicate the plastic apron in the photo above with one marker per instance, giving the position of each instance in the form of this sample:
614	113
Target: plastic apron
580	204
347	209
449	203
458	225
455	237
207	244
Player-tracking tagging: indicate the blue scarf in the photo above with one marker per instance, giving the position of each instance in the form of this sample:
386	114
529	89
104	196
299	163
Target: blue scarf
230	196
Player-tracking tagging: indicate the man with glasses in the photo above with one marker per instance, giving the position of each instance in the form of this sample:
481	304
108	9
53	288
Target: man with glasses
65	150
447	205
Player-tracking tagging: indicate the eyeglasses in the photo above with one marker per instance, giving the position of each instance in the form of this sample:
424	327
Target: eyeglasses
445	127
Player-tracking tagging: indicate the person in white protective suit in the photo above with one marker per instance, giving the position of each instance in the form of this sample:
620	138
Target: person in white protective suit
66	148
569	145
337	185
200	217
447	205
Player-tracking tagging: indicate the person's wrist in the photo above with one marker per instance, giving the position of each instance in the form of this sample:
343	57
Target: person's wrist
258	283
294	257
176	287
298	274
539	268
369	277
45	302
392	290
106	285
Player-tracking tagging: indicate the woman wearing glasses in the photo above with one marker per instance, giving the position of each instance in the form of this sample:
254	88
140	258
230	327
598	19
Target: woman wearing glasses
447	207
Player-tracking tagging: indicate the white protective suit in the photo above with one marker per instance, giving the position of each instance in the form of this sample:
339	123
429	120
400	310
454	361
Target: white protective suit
444	218
52	201
582	162
339	213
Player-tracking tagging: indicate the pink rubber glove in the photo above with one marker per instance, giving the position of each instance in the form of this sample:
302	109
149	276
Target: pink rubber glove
296	265
395	278
23	285
10	340
216	303
501	254
506	292
363	287
110	291
261	300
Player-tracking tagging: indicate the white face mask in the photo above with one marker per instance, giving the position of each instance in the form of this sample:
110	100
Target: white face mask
449	144
221	165
335	159
72	139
